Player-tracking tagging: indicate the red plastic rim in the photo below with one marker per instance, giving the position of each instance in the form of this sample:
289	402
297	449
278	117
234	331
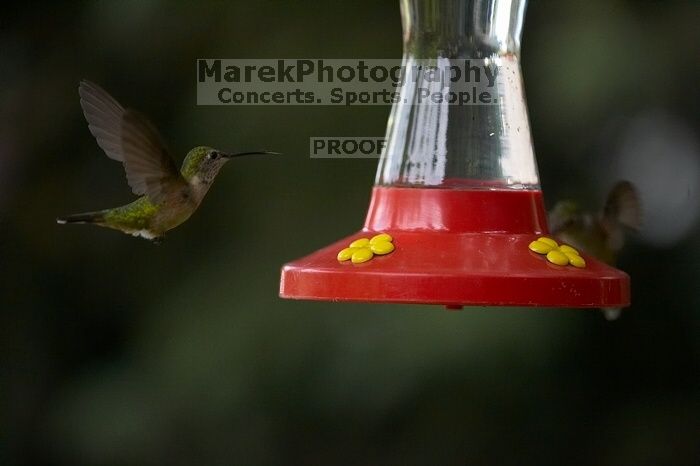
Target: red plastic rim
455	248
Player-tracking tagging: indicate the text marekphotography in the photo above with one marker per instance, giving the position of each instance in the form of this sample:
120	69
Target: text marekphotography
349	81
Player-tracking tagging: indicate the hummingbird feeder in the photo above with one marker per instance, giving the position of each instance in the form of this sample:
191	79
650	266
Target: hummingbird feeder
457	191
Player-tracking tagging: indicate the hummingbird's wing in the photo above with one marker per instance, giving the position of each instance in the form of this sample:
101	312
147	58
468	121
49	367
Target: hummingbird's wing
623	206
150	169
128	137
622	210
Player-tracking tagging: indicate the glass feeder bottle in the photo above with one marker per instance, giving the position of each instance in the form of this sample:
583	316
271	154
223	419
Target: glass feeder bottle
472	146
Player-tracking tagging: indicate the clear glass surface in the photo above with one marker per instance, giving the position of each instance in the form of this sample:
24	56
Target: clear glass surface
460	146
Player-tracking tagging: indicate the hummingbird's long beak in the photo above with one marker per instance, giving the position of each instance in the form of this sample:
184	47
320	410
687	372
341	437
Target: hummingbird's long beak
257	152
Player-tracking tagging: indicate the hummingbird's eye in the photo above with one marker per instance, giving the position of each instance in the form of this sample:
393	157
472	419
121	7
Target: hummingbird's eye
213	155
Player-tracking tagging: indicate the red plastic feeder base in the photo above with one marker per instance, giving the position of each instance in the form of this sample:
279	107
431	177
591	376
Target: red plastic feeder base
455	248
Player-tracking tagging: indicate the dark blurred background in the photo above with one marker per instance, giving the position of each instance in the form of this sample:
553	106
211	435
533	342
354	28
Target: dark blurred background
116	352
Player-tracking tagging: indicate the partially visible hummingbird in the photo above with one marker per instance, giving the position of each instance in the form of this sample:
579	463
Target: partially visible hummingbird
602	234
168	196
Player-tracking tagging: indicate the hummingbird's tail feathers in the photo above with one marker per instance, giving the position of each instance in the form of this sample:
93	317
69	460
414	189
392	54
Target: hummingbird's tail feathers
87	217
623	206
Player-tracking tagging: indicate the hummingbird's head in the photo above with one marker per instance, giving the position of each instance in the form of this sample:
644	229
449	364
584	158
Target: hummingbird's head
204	163
564	215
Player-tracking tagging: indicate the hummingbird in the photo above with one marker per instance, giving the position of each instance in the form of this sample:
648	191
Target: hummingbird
601	234
168	196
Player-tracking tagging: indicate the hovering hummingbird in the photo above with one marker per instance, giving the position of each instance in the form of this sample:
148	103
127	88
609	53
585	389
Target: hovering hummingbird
168	196
601	235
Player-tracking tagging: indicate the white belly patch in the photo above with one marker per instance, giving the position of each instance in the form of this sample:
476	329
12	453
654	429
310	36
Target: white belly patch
143	234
